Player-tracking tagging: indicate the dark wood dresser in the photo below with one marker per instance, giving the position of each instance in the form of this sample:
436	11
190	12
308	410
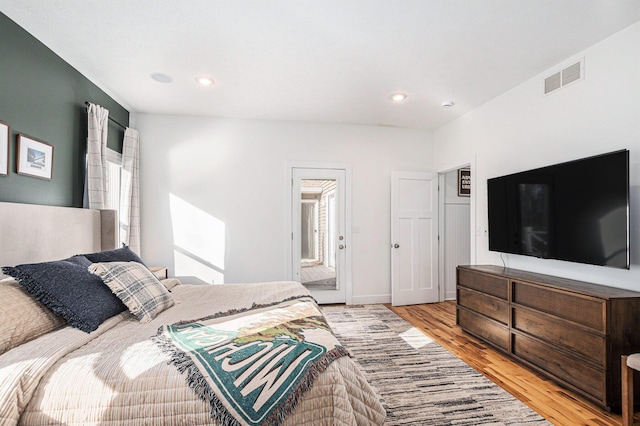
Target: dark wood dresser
571	331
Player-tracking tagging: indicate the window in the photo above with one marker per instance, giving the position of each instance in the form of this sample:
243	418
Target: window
114	171
114	179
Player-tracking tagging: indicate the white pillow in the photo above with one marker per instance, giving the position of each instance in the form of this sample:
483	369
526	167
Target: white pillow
23	317
170	283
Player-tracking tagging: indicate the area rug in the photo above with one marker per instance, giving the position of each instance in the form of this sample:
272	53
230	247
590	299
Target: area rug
420	382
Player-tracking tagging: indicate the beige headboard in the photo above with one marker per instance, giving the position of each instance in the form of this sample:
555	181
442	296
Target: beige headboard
32	233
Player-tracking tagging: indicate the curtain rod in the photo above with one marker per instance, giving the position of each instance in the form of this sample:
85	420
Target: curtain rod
124	127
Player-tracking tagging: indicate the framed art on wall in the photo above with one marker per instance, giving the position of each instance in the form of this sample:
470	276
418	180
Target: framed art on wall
4	149
464	182
35	158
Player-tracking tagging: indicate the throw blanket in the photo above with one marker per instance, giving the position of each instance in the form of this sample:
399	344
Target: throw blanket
253	366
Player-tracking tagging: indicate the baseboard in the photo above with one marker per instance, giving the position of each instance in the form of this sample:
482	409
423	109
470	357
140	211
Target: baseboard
370	300
383	298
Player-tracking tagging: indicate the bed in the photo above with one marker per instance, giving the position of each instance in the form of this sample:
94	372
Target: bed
175	365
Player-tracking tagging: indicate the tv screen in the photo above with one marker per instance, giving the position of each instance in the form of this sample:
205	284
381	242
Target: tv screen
576	211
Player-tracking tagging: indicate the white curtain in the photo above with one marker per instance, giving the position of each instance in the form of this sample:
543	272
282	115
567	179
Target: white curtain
129	193
96	179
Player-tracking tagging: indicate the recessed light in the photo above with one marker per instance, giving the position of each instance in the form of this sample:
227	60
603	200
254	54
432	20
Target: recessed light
447	104
205	80
161	78
397	97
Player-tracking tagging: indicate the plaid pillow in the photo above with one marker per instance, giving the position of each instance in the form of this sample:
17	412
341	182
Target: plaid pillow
136	286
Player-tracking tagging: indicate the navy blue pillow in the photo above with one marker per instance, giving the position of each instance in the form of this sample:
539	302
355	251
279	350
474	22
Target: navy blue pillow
123	254
69	290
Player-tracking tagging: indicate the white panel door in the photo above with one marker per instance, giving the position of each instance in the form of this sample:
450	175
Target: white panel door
414	238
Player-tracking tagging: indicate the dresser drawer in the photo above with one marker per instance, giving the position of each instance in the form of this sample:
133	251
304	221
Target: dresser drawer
489	306
483	327
559	332
585	310
592	381
490	284
570	331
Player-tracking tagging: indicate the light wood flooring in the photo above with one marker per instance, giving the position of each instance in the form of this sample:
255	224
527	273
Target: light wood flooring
558	405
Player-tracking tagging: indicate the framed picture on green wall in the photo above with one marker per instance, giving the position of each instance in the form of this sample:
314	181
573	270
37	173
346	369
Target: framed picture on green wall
35	158
4	149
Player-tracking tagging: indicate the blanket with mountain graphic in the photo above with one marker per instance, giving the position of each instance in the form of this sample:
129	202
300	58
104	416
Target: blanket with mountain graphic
253	366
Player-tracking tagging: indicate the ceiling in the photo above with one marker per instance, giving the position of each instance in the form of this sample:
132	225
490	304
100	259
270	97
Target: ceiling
320	61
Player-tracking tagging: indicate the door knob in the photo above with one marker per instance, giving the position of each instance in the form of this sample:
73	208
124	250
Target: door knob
396	245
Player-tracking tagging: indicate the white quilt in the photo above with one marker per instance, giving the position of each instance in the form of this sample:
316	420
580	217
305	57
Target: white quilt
118	376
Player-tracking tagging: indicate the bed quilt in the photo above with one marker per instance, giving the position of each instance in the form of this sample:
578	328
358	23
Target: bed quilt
117	374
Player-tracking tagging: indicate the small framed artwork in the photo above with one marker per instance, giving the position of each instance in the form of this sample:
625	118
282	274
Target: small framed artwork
464	182
4	149
35	158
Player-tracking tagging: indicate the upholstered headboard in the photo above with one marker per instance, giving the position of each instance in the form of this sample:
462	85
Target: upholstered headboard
32	233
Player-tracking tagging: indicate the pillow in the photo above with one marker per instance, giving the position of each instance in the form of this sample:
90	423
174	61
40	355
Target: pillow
123	254
170	283
136	286
23	317
69	290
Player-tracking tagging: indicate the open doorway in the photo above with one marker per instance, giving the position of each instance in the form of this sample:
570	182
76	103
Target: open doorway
455	226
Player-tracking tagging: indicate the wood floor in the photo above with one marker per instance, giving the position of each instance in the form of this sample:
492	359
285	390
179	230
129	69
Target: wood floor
558	405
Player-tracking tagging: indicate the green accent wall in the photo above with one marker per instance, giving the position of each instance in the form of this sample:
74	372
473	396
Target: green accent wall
43	97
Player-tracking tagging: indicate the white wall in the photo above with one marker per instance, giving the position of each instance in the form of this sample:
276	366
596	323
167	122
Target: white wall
522	129
213	193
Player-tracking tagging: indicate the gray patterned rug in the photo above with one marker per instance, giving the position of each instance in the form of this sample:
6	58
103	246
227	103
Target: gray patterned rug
420	382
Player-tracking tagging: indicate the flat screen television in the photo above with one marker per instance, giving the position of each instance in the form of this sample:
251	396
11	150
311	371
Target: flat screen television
576	211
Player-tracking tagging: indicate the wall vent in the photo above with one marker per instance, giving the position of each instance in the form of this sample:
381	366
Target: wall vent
563	78
553	82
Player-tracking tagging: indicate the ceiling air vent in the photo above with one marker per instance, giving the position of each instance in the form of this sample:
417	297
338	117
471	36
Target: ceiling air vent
568	75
